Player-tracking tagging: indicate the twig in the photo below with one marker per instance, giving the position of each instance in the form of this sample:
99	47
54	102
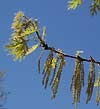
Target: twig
46	47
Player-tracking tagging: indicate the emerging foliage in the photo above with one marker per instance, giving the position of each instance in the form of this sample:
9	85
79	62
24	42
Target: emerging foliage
95	5
22	28
73	4
18	47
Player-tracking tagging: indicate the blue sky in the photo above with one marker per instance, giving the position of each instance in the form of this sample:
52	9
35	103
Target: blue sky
67	30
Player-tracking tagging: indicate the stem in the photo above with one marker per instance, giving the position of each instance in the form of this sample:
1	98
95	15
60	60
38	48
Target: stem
46	47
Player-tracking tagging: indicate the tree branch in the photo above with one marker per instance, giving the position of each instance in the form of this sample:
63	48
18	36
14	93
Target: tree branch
46	47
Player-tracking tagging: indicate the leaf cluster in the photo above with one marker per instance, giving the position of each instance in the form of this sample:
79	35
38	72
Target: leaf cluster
18	47
73	4
23	28
94	6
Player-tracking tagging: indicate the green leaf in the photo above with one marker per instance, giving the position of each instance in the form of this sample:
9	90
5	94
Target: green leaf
73	4
32	49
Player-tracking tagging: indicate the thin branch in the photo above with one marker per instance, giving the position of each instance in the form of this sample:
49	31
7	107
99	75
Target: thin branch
46	47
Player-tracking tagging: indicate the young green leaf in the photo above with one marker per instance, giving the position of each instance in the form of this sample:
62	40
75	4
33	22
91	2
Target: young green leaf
73	4
32	49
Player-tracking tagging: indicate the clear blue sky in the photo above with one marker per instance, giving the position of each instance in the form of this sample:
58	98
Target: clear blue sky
68	30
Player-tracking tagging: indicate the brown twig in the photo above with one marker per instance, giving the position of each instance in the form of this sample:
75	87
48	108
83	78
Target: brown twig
46	47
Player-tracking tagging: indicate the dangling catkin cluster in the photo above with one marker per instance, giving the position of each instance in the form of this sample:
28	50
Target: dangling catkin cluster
57	75
97	84
54	65
91	80
77	80
39	61
98	92
54	70
47	69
